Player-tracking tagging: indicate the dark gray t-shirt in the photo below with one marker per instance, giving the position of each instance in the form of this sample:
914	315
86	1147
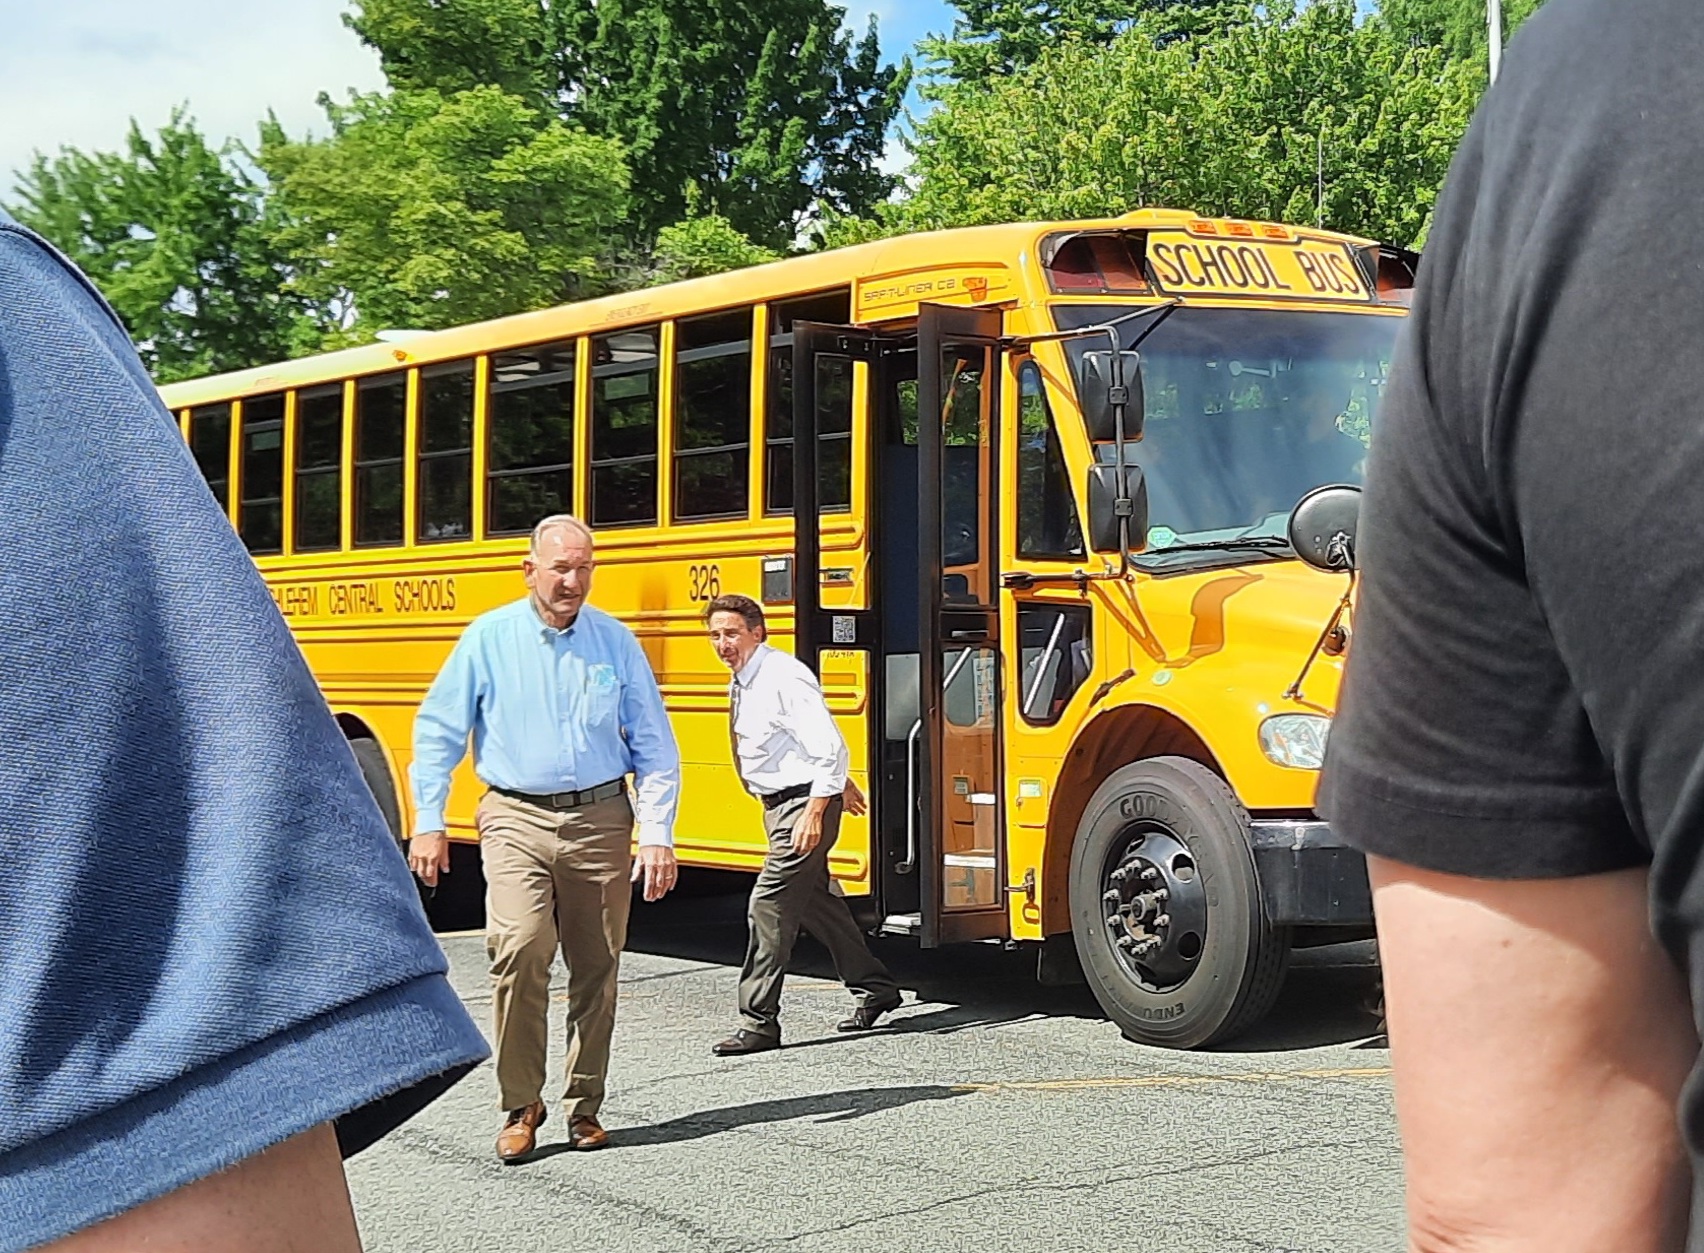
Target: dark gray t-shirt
1525	692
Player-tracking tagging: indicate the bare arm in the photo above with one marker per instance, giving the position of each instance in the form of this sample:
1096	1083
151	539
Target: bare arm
289	1199
1540	1038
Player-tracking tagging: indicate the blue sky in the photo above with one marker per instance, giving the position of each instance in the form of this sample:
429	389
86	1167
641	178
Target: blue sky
73	72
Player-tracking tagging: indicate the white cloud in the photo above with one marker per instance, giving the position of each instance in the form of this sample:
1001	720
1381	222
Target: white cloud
74	72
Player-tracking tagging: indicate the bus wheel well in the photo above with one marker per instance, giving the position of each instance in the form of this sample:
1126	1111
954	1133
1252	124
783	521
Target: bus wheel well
1117	738
354	728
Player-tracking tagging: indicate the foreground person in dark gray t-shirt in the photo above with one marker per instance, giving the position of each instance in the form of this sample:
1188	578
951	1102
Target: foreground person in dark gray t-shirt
1520	747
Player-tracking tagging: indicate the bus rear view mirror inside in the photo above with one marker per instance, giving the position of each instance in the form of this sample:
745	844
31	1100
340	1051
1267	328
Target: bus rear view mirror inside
1097	391
1104	499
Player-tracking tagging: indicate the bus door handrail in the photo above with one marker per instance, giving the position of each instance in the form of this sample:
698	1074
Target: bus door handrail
1041	665
910	862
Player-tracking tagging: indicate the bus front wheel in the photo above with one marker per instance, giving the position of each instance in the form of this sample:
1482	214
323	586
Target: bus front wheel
1166	908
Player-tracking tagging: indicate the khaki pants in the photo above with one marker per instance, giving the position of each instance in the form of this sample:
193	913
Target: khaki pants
554	877
793	892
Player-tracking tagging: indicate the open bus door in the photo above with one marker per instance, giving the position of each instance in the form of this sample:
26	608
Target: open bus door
933	622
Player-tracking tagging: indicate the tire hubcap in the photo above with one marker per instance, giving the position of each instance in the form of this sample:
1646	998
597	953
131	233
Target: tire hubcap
1156	907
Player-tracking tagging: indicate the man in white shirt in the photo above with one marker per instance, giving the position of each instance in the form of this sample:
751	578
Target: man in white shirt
792	757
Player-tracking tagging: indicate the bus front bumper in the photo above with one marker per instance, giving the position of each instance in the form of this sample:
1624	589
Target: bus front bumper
1308	875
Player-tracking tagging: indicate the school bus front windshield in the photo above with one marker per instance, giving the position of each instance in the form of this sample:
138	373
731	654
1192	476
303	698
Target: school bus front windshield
1246	411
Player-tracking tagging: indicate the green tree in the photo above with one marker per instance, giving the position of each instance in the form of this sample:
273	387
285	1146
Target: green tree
766	109
173	232
701	245
1459	27
1301	114
427	210
991	37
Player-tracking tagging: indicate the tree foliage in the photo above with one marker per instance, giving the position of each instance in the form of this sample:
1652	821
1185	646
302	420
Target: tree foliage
174	233
1459	27
425	210
700	245
993	37
763	109
1300	114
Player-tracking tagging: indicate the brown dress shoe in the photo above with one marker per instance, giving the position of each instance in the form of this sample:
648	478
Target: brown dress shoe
586	1133
520	1132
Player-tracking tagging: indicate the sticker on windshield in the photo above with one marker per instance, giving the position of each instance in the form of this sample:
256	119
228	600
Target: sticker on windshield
1161	537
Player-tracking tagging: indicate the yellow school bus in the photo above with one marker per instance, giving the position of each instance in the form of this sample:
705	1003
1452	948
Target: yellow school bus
1018	493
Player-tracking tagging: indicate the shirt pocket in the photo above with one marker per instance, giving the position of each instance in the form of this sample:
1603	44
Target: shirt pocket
603	694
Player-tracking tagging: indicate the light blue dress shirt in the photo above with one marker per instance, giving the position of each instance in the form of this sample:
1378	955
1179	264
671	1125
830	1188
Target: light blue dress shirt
549	711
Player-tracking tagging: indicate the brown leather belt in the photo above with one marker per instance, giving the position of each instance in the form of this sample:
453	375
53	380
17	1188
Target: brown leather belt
568	800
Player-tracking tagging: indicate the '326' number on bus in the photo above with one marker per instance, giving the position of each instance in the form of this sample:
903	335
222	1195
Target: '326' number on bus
706	582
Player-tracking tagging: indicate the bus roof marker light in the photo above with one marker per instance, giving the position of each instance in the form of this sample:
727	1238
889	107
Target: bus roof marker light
1240	229
1201	226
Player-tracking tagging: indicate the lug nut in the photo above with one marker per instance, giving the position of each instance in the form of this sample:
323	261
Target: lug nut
1150	874
1164	920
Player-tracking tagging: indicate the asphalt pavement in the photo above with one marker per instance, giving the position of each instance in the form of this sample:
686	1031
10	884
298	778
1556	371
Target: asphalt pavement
993	1115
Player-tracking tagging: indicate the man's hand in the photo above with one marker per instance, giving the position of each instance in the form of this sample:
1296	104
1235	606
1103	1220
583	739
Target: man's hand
656	862
853	799
429	853
807	830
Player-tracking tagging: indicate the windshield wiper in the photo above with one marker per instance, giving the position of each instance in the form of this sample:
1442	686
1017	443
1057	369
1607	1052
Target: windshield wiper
1271	543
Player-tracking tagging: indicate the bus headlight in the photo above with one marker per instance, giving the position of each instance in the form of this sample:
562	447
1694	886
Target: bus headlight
1295	740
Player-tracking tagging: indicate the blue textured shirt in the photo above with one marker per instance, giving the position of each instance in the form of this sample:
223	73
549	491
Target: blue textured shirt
208	940
549	711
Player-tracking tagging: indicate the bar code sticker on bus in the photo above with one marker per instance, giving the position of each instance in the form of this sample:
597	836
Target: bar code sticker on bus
845	629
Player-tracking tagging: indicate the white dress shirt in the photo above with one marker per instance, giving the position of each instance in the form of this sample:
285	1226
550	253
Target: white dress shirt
784	736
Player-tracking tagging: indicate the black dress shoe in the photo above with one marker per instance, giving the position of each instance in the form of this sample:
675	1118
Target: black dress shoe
864	1017
742	1042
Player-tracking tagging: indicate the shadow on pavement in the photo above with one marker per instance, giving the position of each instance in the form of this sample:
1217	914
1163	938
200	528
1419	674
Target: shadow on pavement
829	1107
1327	997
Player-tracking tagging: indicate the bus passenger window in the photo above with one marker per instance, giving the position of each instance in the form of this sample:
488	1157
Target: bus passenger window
1056	657
624	428
834	408
319	468
380	406
260	520
210	445
1047	514
712	416
529	441
444	487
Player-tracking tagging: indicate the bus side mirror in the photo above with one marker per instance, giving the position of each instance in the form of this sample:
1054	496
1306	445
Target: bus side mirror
1097	394
1104	512
1322	528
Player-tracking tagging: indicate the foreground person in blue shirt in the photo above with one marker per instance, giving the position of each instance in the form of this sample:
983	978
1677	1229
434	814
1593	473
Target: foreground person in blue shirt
562	706
214	970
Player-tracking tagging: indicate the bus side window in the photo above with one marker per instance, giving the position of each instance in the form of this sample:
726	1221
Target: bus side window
1056	658
624	428
210	445
444	488
381	404
529	442
712	416
1047	514
834	408
261	515
319	469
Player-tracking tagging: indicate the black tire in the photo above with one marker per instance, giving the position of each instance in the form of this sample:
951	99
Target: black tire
376	771
1171	823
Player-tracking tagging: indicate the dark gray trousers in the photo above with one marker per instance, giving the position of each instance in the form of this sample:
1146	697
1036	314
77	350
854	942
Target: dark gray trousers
793	892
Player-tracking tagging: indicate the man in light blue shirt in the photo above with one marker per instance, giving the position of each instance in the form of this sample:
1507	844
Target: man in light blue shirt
562	706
